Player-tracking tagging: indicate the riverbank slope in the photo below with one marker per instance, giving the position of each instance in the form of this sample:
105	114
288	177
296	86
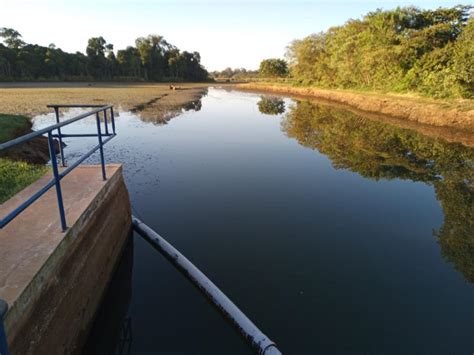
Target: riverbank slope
21	165
457	114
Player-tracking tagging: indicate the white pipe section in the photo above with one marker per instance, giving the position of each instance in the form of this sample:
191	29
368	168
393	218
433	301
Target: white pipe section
247	329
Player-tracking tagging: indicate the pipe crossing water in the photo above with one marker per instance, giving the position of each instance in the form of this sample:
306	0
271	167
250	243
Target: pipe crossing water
257	339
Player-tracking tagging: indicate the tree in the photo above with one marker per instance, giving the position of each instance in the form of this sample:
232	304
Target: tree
96	47
129	62
227	72
11	38
463	61
151	51
428	51
96	53
273	68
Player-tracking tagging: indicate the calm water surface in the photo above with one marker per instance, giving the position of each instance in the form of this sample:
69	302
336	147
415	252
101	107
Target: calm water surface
334	233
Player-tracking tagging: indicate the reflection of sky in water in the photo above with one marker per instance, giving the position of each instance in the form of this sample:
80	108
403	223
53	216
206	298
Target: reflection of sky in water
322	259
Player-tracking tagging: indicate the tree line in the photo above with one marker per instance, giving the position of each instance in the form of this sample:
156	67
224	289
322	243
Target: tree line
405	49
151	59
237	73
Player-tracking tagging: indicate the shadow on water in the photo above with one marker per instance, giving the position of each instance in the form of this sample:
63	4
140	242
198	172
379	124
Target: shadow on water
376	150
111	333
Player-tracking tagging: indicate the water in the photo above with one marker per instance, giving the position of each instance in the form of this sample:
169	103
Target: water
336	234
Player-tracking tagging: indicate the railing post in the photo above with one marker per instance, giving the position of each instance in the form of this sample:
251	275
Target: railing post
112	116
105	122
63	162
101	148
57	175
54	164
3	336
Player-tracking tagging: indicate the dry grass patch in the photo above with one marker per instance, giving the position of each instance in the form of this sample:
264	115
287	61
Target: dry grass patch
153	101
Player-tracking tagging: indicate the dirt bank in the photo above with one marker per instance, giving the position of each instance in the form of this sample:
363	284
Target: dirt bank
453	114
448	134
34	151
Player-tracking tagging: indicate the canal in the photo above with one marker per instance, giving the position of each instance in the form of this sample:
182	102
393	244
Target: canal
333	232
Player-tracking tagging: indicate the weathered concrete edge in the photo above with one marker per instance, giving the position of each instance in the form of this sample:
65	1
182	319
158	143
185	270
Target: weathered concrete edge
400	108
34	288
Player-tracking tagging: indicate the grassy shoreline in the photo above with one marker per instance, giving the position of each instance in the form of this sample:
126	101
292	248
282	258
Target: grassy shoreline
457	114
12	126
16	175
156	103
152	102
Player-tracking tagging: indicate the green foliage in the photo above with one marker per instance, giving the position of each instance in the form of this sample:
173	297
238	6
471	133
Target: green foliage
270	68
463	62
152	59
428	51
235	74
16	175
379	151
11	37
271	105
12	126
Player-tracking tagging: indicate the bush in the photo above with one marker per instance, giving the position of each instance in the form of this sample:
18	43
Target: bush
273	68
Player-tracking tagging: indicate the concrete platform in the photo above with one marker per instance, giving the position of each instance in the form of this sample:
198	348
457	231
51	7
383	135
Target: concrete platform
36	257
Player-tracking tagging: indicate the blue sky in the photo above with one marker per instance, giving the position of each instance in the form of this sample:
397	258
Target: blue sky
226	33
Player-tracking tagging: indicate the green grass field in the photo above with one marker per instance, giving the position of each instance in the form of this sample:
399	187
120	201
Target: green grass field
15	175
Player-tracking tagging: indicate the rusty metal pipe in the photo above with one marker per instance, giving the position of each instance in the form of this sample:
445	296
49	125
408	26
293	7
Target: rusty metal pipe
259	341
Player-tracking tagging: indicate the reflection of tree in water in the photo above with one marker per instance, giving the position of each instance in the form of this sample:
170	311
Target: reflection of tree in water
271	105
377	150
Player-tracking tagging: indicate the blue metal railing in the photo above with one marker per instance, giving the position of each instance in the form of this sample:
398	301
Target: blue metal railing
3	336
58	175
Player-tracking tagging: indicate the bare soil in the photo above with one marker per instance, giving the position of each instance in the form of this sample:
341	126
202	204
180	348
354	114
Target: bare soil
455	114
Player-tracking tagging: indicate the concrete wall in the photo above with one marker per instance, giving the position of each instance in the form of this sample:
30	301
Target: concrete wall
54	313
